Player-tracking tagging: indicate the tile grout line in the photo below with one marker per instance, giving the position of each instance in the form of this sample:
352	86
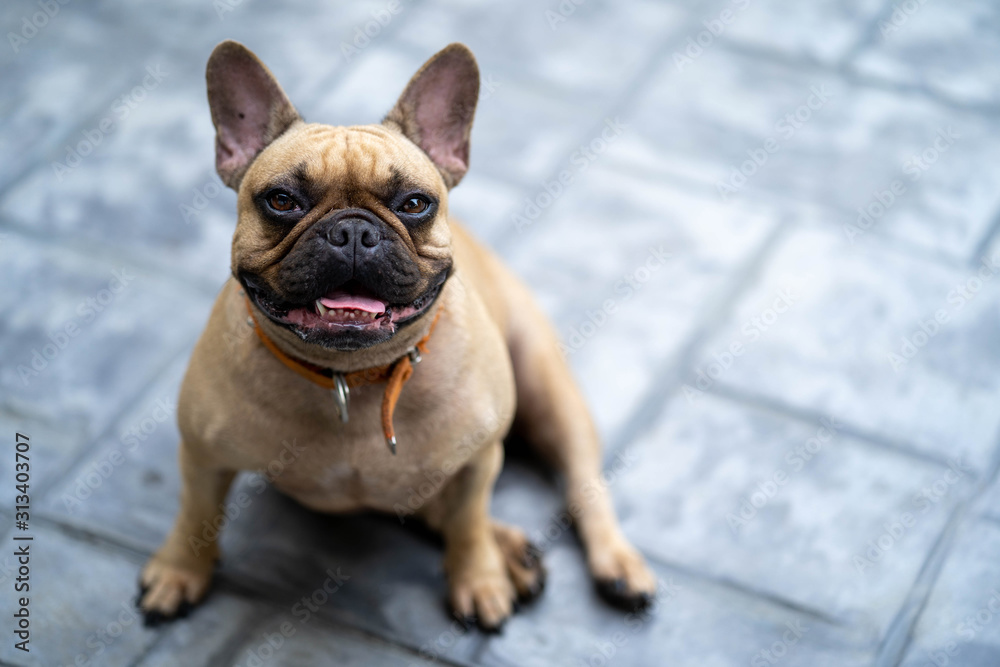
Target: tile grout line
674	371
984	243
87	535
809	416
137	396
899	634
744	589
118	543
109	541
247	588
92	118
233	641
754	195
227	653
850	75
503	243
329	83
867	36
674	368
37	162
90	250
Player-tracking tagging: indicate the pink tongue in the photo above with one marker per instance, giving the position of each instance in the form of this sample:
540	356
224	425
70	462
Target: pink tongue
350	301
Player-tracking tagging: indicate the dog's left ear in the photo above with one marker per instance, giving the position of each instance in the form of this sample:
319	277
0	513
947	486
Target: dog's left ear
436	109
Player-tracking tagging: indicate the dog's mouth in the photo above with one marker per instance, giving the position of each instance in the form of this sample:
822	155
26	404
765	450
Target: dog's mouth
345	309
347	317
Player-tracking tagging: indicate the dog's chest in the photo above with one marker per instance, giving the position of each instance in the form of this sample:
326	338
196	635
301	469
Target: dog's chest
339	476
336	467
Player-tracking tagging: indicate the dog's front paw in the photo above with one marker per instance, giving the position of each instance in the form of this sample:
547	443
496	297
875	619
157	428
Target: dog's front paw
167	591
481	590
524	561
622	576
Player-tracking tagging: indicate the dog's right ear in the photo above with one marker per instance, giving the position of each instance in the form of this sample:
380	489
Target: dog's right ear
249	109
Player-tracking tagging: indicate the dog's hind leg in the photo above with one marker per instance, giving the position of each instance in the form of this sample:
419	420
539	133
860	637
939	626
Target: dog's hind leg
553	416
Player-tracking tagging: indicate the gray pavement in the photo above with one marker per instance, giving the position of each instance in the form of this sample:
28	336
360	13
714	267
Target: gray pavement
767	232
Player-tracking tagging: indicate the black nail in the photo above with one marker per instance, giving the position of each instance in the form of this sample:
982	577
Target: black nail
615	592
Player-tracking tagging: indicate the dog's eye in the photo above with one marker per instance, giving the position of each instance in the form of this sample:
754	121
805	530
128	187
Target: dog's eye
414	206
281	202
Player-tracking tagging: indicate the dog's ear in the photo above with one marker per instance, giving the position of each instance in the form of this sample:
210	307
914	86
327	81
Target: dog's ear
436	109
249	109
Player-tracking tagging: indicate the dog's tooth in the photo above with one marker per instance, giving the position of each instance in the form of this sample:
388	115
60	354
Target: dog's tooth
320	308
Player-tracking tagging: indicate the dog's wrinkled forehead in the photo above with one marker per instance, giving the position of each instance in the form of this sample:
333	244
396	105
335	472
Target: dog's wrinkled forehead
338	167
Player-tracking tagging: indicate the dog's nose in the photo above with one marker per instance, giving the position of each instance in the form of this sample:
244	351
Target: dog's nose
351	231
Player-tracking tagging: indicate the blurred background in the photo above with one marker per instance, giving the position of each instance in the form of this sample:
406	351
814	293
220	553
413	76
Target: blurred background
766	231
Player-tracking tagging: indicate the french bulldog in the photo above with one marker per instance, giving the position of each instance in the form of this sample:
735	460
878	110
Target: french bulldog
384	338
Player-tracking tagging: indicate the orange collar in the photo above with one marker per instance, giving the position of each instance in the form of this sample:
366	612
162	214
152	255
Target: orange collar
396	374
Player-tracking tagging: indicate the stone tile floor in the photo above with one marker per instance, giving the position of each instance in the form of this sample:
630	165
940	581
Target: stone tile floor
801	402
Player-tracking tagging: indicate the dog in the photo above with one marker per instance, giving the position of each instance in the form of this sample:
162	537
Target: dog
380	334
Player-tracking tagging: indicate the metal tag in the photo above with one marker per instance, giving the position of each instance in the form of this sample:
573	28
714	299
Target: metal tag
342	395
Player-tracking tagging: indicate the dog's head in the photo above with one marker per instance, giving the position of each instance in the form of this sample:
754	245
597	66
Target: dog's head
343	235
